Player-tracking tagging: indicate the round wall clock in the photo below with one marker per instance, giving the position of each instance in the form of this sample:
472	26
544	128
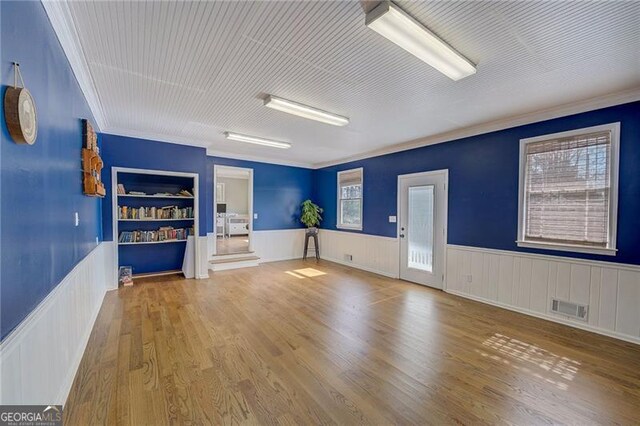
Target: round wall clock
20	115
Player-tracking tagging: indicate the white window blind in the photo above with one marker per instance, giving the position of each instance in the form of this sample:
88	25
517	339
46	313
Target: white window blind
350	199
567	190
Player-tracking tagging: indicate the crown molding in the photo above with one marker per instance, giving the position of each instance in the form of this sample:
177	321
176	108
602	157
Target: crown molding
156	137
210	152
618	98
605	101
215	153
61	20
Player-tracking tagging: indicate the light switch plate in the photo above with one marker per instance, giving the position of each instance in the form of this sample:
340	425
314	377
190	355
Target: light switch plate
392	219
255	215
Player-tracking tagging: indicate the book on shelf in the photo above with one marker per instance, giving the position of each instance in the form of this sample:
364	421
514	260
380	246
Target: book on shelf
164	233
151	213
181	193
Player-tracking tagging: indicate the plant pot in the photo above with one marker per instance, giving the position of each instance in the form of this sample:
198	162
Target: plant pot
312	231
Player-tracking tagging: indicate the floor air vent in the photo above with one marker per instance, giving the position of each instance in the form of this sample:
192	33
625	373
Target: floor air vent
568	308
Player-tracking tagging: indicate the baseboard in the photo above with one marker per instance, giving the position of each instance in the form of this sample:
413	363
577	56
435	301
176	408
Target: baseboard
362	267
279	259
39	359
547	317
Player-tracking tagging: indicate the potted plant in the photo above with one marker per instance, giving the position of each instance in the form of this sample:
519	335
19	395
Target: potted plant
310	216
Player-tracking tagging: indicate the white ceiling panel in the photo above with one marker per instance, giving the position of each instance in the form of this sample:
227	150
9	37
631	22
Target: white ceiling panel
188	71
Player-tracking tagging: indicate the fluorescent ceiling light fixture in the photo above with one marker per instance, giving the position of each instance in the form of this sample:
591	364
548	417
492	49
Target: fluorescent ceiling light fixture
305	111
255	140
393	23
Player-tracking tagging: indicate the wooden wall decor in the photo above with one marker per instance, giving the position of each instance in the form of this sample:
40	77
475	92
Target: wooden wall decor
20	111
91	162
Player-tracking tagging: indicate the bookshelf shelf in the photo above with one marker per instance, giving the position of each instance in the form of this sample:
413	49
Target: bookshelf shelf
154	220
152	242
154	257
155	196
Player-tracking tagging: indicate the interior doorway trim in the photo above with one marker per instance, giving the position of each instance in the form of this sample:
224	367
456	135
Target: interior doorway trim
445	174
216	168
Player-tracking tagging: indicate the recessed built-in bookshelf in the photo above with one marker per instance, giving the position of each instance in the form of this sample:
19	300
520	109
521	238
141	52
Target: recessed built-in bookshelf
154	213
154	196
154	220
153	242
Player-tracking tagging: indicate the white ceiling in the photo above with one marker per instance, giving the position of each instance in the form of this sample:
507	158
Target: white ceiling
186	72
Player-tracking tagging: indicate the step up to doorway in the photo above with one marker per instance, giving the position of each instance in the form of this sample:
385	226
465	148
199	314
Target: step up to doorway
224	262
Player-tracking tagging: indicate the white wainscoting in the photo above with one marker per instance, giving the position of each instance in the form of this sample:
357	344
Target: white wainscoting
271	246
526	283
369	252
39	359
280	244
202	264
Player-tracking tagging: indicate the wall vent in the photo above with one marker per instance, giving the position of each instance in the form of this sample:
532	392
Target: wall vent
571	309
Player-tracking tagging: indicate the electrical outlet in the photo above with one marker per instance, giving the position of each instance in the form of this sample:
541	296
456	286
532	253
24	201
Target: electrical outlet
393	219
469	278
348	257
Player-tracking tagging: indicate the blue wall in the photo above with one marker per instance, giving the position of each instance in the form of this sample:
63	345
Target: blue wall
41	185
123	151
278	190
277	193
483	184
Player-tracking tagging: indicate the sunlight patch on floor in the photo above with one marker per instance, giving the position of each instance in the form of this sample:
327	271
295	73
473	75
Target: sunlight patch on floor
545	362
305	273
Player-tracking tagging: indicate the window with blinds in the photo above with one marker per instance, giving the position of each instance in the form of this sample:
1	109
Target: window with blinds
568	187
350	199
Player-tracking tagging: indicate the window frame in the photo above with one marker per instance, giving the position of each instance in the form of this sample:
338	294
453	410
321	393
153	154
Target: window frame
339	223
611	249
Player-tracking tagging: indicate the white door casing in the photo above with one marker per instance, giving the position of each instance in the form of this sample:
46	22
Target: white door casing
422	227
216	168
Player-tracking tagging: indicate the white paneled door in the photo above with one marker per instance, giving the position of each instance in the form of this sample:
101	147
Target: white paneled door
422	202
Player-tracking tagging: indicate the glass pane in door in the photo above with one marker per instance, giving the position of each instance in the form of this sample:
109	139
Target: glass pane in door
420	227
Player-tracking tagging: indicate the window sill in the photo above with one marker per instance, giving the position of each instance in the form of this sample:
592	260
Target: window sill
567	247
349	228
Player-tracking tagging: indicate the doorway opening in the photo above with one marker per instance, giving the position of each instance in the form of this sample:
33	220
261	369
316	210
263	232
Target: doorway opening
233	210
422	227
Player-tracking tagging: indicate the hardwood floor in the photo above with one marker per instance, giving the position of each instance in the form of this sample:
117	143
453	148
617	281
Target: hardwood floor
232	245
318	343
